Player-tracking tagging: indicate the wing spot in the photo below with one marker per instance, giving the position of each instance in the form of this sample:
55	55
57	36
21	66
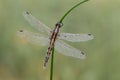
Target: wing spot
89	34
82	53
27	13
21	30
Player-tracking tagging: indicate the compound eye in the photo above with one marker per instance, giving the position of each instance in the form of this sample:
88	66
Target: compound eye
59	24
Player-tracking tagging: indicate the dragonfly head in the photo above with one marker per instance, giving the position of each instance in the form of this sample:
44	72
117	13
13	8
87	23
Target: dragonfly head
59	24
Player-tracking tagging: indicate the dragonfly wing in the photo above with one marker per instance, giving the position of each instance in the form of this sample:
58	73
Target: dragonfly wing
36	23
68	50
75	37
33	38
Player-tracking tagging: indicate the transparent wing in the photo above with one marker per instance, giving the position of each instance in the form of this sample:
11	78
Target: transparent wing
36	23
75	37
33	38
68	50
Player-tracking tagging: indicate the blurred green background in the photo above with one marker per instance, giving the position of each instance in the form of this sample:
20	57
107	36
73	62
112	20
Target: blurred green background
20	60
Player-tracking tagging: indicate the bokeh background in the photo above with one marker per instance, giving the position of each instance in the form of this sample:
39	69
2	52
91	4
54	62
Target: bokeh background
20	60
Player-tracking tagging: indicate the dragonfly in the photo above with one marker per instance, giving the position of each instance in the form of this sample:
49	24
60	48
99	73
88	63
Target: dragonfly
53	38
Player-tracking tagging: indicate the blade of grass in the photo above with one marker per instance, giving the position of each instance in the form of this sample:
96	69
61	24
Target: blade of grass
52	61
61	20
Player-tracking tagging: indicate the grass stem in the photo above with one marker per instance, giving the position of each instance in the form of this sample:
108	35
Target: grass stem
52	61
61	20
